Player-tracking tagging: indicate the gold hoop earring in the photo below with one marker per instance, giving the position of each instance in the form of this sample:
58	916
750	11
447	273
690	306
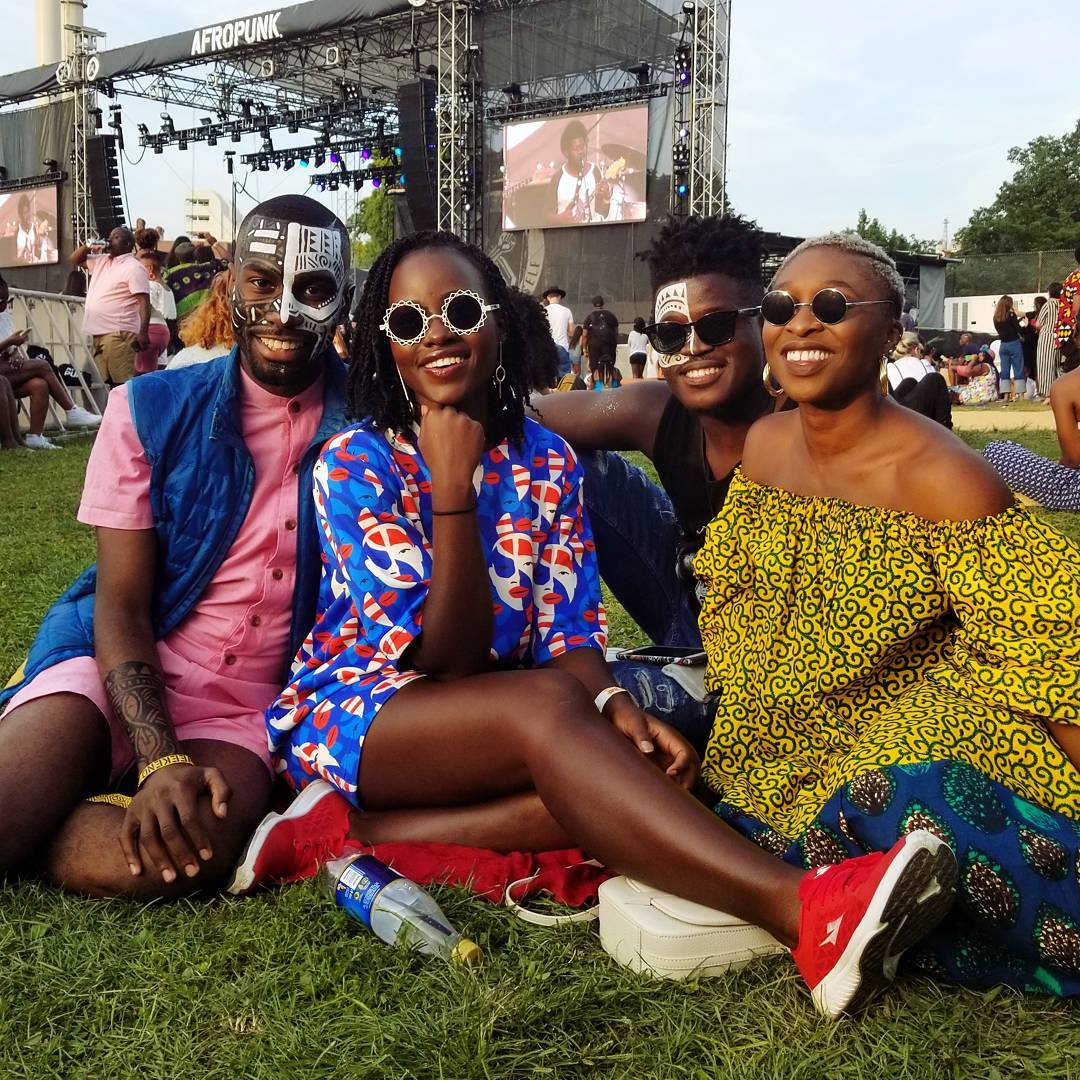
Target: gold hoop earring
883	375
766	378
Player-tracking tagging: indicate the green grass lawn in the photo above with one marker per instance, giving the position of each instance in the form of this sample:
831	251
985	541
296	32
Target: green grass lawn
283	985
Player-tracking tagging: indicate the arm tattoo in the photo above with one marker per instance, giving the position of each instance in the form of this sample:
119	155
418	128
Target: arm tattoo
137	695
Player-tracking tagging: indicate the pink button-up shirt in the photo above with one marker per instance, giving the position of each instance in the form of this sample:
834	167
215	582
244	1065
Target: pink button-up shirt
112	306
240	626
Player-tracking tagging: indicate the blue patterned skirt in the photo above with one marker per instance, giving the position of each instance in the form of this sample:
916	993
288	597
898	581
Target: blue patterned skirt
1017	917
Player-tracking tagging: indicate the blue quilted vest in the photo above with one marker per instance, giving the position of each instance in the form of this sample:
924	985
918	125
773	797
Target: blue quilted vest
201	481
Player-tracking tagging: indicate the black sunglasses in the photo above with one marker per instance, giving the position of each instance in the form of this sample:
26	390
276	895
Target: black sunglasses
715	328
828	306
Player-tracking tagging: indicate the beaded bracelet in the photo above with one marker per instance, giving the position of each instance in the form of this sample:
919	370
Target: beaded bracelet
161	763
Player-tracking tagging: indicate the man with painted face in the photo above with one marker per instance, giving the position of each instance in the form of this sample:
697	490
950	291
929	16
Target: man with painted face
707	335
146	685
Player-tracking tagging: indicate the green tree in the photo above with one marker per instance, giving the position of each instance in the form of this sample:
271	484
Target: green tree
871	229
371	227
1039	208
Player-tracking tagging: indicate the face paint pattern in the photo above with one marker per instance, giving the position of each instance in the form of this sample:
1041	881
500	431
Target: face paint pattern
671	300
295	249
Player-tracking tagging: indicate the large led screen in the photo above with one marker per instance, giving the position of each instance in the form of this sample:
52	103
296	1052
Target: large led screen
28	234
585	169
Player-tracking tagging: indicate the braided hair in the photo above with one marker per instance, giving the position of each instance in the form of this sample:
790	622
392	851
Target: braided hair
374	388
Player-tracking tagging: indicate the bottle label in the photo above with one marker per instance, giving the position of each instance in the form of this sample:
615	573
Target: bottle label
360	884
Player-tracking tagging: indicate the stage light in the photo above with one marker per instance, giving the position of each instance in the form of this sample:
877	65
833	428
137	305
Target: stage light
3	174
375	182
333	183
688	8
682	65
681	190
144	131
268	145
397	152
157	148
168	128
513	92
335	159
417	3
288	164
95	114
235	137
245	108
320	160
304	162
51	165
211	140
205	121
181	143
294	127
229	155
365	154
640	71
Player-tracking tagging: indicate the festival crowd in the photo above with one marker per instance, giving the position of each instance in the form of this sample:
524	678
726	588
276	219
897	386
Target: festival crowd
347	592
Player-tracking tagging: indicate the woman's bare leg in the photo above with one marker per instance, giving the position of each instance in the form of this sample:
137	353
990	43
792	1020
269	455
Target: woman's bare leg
512	823
38	367
9	417
37	390
486	737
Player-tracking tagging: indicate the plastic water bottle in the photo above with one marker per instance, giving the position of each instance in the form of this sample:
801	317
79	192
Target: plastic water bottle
395	908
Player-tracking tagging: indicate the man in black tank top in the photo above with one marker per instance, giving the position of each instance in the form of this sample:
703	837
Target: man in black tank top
691	425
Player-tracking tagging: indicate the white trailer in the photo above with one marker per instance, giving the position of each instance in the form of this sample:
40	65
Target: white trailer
976	313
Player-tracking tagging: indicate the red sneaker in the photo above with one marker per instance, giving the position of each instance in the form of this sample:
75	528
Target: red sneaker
860	916
291	846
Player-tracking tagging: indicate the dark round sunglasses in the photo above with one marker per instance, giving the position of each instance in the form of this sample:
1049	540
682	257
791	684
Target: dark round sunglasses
715	328
463	312
828	306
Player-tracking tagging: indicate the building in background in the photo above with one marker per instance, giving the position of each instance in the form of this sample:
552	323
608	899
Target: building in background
207	211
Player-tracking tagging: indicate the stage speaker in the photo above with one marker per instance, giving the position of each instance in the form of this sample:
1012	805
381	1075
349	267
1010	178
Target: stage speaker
417	138
103	172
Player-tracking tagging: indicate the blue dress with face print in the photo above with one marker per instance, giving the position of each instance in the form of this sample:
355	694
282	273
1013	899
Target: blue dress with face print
373	501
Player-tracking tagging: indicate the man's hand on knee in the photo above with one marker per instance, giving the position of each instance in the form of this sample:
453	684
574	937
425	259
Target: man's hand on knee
163	829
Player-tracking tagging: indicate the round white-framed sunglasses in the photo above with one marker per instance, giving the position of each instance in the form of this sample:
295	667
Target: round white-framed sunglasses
463	312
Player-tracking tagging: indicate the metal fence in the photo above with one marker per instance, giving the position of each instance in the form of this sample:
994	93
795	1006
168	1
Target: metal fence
1019	272
55	323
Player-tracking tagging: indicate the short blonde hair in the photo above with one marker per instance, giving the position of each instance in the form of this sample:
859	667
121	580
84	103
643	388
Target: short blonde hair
881	264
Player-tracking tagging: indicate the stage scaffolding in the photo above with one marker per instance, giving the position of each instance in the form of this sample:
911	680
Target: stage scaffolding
699	119
335	66
79	70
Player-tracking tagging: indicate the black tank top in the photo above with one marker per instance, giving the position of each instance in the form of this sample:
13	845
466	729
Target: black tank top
679	456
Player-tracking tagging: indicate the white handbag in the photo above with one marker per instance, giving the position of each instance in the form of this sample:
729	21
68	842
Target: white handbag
654	932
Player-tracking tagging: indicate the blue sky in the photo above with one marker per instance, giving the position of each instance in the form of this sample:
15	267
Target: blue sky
905	109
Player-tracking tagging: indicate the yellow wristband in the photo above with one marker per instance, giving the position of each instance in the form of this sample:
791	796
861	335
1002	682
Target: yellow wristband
161	763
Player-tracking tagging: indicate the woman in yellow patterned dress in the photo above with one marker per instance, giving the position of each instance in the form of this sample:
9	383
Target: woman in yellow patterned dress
893	643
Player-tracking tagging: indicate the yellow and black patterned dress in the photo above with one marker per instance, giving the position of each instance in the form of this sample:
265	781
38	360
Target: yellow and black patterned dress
875	672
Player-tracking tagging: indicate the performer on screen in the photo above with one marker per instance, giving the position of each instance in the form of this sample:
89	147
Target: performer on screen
579	191
26	236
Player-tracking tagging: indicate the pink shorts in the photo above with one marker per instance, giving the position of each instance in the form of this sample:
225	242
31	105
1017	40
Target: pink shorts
201	705
147	360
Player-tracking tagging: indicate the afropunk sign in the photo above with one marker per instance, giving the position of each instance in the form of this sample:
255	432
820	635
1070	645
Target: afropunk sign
231	35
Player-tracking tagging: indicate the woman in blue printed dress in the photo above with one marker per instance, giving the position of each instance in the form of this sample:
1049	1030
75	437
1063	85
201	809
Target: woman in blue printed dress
454	687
